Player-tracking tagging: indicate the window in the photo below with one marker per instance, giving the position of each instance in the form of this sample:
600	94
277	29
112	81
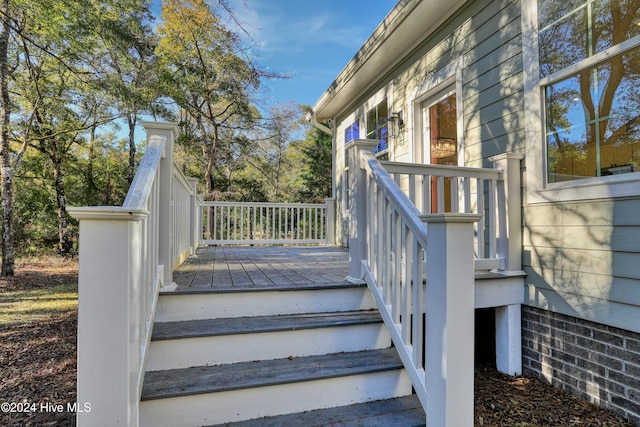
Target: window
352	132
589	66
377	125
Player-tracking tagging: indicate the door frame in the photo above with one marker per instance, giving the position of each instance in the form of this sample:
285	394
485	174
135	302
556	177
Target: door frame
447	80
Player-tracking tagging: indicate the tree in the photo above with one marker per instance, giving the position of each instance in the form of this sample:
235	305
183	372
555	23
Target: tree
7	166
128	64
208	76
317	169
57	78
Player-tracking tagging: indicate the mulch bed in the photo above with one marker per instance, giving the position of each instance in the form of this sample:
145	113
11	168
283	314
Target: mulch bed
38	366
503	400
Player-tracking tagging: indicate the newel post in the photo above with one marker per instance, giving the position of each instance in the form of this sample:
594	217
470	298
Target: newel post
450	319
165	208
108	312
510	239
330	203
357	202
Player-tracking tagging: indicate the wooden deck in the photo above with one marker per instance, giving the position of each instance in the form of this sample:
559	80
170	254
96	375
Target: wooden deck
242	267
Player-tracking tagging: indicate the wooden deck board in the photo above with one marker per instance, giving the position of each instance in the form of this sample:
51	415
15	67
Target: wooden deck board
245	325
242	267
401	411
210	379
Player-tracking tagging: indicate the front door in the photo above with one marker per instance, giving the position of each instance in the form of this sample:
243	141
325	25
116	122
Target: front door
440	143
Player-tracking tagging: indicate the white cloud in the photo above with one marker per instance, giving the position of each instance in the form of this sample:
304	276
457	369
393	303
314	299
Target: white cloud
277	30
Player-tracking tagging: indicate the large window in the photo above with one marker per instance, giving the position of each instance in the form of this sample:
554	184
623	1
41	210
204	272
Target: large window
377	125
590	71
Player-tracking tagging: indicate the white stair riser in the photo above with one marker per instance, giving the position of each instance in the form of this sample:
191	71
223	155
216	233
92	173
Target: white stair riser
242	304
220	350
238	405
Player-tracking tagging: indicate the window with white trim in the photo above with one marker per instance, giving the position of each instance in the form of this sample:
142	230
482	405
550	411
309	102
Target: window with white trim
378	126
589	67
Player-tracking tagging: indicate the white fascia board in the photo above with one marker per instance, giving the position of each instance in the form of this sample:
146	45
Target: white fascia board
403	29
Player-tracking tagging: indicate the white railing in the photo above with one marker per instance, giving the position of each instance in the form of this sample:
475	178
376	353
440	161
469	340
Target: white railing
126	257
267	223
423	282
439	189
184	199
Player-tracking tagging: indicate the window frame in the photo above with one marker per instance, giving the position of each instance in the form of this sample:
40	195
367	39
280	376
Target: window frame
353	127
378	127
539	190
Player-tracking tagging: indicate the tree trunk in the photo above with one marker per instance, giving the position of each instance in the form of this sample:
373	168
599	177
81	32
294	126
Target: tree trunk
8	255
64	239
91	189
132	119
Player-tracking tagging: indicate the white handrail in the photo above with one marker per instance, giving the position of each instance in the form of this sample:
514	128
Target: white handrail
266	223
423	287
419	262
395	266
126	257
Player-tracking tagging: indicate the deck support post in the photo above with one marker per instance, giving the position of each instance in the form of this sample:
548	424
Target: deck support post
508	323
357	202
450	319
509	339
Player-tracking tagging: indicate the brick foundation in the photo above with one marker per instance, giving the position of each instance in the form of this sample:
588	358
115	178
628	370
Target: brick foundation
595	362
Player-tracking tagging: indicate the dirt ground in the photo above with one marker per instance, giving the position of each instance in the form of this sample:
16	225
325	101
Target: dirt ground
38	372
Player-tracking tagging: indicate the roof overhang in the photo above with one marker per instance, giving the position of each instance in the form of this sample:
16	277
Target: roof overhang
403	29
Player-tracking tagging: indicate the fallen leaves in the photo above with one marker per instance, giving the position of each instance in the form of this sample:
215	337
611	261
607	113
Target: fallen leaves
502	400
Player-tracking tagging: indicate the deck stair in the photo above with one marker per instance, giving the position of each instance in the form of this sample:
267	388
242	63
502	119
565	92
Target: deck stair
275	355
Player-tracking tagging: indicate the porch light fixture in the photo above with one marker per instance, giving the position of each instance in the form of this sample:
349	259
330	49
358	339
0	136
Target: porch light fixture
398	123
443	147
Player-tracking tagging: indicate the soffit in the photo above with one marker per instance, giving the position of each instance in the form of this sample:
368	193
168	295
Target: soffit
406	26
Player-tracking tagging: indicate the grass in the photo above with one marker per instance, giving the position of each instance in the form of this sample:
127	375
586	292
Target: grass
37	304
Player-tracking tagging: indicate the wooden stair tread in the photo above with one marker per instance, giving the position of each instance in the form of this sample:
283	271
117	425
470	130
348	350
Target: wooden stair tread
246	325
401	411
306	286
211	379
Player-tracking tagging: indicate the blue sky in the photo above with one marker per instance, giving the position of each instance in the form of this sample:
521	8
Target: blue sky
310	40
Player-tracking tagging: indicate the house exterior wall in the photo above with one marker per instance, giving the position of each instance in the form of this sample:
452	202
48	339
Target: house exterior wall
581	249
477	52
582	259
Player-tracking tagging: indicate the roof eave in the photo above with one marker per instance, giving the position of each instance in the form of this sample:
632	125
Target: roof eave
402	30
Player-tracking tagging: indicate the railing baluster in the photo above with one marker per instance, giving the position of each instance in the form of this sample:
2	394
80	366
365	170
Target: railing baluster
455	196
491	218
467	194
440	194
481	224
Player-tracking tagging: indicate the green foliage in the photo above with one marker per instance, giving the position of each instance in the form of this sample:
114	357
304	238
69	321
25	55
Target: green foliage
78	70
316	173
